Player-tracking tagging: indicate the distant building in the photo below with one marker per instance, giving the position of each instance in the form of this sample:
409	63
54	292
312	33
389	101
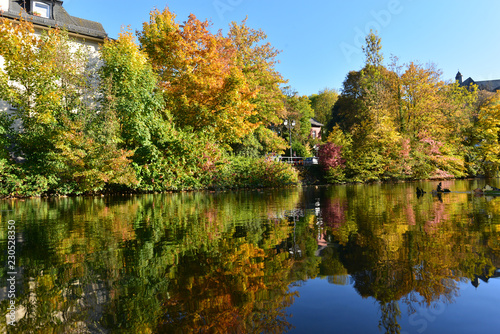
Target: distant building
488	85
315	129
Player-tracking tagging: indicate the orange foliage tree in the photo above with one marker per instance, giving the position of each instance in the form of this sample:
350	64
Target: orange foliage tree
202	86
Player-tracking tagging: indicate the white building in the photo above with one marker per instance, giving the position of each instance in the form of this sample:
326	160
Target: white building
47	14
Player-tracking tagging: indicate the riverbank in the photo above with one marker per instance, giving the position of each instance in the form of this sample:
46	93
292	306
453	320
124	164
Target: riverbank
232	173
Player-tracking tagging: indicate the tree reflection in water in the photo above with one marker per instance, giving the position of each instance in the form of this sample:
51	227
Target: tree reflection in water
400	249
226	263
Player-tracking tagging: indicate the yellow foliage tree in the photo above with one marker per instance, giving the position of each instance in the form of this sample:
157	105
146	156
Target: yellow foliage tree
202	87
487	133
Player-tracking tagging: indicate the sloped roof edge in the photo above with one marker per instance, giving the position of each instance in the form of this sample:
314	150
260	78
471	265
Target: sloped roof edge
61	19
315	123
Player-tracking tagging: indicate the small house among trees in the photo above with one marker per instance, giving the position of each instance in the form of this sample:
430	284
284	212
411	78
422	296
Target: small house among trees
315	129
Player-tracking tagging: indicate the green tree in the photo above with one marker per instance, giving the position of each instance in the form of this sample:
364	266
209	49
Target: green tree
61	132
298	109
260	142
130	88
322	104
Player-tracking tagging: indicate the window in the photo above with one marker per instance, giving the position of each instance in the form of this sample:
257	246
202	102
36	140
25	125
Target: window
314	134
41	9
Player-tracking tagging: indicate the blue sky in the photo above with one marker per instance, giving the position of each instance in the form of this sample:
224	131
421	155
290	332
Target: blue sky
320	40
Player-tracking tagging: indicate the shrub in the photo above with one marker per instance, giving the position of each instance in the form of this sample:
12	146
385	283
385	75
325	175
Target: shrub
240	172
330	159
17	182
301	150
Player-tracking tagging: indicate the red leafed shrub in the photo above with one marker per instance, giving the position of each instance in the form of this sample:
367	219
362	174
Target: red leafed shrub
330	156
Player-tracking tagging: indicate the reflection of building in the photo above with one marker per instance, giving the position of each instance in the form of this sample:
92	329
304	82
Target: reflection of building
485	278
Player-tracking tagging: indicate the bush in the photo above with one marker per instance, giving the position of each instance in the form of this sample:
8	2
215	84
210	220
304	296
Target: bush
17	182
330	159
301	150
240	172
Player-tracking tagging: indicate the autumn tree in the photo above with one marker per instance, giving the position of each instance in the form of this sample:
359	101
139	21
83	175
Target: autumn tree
330	158
404	120
60	132
486	136
435	117
202	86
419	96
322	104
257	61
363	111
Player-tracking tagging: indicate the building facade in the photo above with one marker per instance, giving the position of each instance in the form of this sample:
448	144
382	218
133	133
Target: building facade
315	129
49	14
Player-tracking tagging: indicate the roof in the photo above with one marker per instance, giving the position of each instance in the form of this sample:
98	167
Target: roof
315	123
60	18
489	85
468	82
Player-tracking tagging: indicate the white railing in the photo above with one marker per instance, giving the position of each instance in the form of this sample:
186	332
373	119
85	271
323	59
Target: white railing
296	161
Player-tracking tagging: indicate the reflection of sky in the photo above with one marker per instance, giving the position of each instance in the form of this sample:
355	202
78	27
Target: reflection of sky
475	310
326	308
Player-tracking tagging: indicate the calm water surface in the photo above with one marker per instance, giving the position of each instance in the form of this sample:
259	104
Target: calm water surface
344	259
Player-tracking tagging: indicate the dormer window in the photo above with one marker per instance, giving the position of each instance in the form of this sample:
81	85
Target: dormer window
41	9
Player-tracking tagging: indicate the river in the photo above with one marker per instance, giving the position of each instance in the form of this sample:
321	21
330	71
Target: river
339	259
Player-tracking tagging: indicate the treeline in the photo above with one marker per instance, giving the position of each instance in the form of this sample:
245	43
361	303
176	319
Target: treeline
182	108
405	122
177	107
